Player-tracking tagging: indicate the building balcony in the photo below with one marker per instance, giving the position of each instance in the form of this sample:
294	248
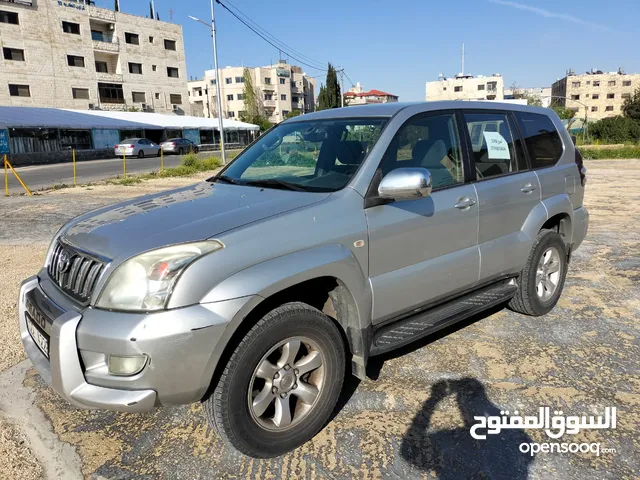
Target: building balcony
269	103
268	87
101	14
106	44
108	77
113	107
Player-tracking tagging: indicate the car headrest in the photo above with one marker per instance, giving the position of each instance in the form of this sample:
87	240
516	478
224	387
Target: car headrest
351	152
419	151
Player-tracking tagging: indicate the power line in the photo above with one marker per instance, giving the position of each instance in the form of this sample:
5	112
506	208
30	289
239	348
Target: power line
273	37
266	39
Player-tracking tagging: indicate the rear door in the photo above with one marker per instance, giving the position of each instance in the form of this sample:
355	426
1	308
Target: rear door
507	191
425	249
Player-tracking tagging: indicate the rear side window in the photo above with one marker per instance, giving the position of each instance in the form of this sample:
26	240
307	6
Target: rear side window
541	138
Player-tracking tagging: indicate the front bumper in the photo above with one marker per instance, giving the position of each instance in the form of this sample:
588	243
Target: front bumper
182	347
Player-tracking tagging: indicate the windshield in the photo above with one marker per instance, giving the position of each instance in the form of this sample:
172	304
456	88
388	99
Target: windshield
315	155
130	140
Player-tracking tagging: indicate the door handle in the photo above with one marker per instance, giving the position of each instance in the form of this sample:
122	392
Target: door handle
465	202
528	188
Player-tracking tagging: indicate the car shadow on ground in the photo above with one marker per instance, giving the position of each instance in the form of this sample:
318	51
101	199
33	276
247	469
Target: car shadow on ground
452	453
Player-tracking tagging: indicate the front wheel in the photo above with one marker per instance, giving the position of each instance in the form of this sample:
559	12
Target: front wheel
542	280
141	154
281	383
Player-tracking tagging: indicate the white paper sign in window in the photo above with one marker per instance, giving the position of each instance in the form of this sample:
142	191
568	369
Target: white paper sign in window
497	146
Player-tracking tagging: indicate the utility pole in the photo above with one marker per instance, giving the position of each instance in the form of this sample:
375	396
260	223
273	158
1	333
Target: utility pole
215	63
462	58
341	86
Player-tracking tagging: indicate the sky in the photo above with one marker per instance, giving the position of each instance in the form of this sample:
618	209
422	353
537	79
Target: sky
396	46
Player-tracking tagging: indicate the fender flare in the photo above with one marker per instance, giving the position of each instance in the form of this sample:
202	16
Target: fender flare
543	211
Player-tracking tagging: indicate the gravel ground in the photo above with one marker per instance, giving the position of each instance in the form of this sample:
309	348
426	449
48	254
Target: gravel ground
413	420
16	460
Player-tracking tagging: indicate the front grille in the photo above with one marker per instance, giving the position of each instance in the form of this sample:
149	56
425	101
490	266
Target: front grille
74	272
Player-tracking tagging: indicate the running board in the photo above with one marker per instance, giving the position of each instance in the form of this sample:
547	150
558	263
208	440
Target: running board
413	327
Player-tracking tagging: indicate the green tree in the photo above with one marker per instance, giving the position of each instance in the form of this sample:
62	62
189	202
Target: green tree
564	113
615	130
293	113
253	109
532	99
330	95
631	106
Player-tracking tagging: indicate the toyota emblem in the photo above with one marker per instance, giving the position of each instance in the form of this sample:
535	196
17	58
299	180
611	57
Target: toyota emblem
64	260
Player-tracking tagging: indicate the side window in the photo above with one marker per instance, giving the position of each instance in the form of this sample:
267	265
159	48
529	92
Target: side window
541	138
495	152
431	142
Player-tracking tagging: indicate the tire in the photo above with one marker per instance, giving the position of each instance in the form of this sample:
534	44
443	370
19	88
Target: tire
530	299
159	153
180	151
141	154
230	408
195	150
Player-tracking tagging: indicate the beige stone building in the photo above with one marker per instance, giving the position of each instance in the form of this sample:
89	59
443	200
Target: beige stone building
357	96
600	93
282	88
466	87
70	54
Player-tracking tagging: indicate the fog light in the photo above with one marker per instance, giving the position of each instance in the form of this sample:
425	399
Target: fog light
126	366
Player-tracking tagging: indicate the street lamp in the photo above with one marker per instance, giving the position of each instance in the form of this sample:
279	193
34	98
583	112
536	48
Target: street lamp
215	64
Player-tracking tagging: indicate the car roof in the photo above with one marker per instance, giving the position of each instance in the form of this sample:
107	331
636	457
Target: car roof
392	108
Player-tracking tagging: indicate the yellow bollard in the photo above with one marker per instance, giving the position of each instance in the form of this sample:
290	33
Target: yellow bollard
124	163
73	153
6	162
161	159
6	177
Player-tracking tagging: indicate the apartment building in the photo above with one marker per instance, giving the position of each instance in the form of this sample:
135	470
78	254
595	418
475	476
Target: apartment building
282	88
357	96
72	54
600	93
466	87
543	93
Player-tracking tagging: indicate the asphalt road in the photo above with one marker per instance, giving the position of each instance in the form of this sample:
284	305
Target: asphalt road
38	177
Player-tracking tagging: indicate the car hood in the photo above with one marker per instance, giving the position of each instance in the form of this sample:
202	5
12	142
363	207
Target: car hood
187	214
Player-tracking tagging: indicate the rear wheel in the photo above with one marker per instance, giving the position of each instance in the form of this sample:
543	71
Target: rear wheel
180	151
160	153
141	154
195	150
281	383
542	280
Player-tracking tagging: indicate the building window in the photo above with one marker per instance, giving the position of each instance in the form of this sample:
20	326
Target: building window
481	87
588	82
150	39
231	114
14	54
135	68
294	99
611	95
268	96
596	83
157	96
609	108
154	67
612	83
626	95
594	109
230	97
626	83
240	96
575	84
9	17
285	113
101	67
172	72
228	80
19	90
80	93
75	61
169	44
132	38
213	82
69	27
110	93
283	81
175	98
239	79
283	96
595	96
575	97
267	80
138	97
457	89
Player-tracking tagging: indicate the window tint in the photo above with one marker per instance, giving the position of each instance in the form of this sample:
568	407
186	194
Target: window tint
542	139
430	142
494	145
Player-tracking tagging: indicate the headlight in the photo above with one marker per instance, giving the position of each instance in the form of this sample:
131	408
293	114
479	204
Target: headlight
145	282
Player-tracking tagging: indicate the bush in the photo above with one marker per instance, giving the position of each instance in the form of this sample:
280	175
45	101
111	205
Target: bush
190	160
610	153
615	130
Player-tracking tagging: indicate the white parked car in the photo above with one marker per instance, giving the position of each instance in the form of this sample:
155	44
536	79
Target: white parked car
138	147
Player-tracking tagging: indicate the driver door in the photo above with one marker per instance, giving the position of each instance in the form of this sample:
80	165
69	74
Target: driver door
425	249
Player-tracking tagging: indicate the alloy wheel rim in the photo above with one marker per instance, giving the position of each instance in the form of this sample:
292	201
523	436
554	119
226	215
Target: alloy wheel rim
286	384
548	273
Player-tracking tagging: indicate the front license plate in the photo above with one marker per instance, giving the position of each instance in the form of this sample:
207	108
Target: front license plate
41	340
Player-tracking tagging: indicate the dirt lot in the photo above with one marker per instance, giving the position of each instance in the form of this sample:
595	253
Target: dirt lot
413	419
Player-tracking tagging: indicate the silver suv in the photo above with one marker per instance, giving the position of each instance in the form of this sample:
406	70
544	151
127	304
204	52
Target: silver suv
336	236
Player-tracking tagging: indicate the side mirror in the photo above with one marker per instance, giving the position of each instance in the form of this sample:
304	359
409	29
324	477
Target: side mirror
406	184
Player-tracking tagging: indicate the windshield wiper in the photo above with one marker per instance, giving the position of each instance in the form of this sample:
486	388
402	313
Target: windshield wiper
273	183
225	179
